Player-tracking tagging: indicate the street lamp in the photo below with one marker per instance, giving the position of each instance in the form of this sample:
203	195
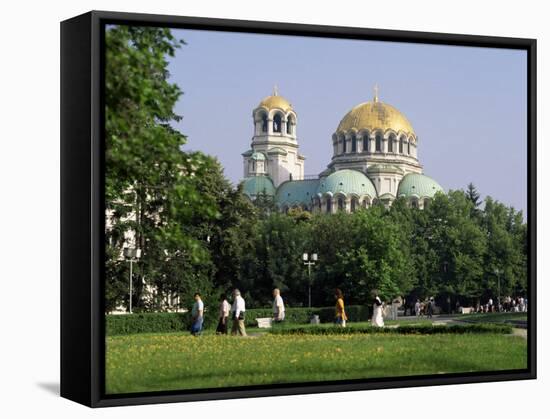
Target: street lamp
497	273
309	261
132	254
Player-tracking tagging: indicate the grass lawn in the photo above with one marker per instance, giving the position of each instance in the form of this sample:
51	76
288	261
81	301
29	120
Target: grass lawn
152	362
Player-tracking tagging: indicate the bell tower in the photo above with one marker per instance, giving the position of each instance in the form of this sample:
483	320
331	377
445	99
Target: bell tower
275	139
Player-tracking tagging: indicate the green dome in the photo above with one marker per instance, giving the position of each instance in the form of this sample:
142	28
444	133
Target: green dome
255	185
347	182
297	192
257	156
420	186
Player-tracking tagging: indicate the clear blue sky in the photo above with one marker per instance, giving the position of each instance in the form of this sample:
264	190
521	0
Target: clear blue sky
467	105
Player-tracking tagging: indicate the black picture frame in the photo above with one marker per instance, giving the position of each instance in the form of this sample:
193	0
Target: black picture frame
82	206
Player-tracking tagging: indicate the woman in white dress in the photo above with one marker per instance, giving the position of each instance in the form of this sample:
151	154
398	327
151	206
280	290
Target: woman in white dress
377	319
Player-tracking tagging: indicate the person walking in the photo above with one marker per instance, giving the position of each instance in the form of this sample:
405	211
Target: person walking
278	306
430	307
238	310
223	316
340	316
197	315
377	312
417	308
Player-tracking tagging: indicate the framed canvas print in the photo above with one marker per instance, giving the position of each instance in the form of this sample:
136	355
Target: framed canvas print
254	209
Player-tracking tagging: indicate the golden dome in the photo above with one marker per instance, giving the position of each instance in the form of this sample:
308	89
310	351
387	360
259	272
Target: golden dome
375	115
276	102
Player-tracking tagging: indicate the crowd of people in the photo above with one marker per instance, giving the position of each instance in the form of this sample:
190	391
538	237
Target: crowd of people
508	305
424	308
236	312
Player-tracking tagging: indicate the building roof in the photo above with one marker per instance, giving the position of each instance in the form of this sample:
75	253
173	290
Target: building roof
347	182
375	115
297	192
255	185
258	156
277	150
420	186
275	102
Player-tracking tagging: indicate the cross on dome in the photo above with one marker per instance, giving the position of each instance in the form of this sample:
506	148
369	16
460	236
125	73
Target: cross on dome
376	93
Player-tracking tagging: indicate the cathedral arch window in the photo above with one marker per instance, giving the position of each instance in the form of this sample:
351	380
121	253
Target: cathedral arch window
353	144
290	125
354	204
390	144
414	203
345	145
378	143
277	123
264	122
329	204
366	143
341	204
401	145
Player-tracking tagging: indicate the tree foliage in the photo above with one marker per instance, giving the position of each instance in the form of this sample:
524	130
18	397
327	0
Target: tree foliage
199	233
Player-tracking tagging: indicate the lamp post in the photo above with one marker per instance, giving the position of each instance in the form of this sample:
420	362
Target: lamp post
497	273
309	260
132	254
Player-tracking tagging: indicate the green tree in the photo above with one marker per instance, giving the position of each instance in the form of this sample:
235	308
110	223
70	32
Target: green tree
473	195
150	184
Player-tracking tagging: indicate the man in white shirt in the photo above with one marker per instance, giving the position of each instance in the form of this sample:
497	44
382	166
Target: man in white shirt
223	317
197	315
237	313
278	306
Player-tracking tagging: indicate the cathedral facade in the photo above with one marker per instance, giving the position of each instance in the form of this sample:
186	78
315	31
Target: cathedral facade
374	159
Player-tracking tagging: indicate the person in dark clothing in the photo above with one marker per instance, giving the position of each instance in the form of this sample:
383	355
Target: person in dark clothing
430	308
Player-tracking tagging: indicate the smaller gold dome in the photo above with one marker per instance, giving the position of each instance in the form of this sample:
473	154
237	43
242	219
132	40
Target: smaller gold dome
375	115
275	102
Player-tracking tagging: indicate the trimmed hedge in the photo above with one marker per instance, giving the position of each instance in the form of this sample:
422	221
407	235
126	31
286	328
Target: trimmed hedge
127	324
405	329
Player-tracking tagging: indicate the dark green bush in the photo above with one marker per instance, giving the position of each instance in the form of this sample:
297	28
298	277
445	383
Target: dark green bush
126	324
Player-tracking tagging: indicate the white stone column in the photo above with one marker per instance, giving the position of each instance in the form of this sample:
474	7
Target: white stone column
372	144
347	204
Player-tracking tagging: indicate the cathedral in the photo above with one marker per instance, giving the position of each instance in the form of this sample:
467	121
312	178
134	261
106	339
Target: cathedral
374	159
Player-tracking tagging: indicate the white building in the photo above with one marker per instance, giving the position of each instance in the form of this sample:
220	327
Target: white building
375	158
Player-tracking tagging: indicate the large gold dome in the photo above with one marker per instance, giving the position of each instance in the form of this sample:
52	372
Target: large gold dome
275	102
375	115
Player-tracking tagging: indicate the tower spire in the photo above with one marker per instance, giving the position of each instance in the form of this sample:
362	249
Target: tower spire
376	93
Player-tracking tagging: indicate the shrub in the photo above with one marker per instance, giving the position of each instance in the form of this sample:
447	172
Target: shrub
126	324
